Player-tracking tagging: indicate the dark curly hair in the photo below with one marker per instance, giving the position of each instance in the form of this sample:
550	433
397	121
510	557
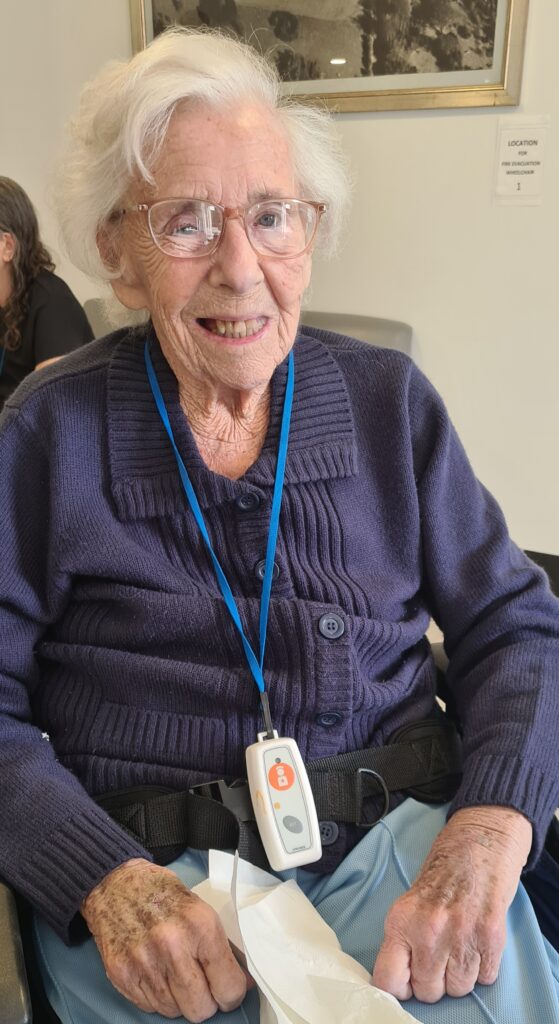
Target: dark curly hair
18	218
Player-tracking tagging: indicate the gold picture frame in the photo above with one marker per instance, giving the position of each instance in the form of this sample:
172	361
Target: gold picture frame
488	86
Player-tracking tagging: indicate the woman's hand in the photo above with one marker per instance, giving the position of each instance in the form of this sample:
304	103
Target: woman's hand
163	948
448	931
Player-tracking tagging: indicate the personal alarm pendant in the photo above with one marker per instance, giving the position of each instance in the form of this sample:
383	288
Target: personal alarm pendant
281	795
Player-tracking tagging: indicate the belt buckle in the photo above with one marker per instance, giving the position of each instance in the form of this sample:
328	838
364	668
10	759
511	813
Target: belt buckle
359	785
235	797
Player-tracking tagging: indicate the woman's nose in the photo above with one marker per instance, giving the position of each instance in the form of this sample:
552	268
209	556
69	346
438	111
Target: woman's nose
235	263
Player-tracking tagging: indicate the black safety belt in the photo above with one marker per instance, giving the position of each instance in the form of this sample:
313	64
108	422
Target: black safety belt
423	760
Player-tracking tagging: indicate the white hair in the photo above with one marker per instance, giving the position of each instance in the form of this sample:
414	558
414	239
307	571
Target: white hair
125	113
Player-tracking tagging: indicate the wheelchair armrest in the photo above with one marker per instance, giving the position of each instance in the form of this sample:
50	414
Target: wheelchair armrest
15	1002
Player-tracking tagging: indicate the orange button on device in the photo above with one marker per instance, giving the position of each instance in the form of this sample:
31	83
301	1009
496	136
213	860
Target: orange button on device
281	776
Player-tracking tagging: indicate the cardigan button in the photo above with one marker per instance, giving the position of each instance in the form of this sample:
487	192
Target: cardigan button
247	502
329	832
331	626
260	570
328	719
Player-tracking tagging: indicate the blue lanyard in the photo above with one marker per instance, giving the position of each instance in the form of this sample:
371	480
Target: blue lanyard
2	359
255	664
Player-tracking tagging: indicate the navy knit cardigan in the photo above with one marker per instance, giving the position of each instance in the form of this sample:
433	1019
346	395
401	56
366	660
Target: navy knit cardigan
120	665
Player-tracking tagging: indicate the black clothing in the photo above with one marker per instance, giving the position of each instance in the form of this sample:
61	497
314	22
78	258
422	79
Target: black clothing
55	324
542	886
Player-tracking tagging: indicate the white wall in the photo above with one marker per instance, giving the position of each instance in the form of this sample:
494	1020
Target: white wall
49	48
479	283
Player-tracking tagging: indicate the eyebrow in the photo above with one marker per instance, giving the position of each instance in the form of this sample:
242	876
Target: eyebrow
253	197
258	197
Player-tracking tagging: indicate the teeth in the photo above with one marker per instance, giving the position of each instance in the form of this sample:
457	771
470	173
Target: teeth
235	328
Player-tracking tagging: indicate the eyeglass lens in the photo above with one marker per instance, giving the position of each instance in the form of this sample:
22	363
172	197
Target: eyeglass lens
193	227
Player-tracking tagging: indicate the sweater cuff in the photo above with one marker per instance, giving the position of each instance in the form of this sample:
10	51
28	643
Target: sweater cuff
71	862
497	780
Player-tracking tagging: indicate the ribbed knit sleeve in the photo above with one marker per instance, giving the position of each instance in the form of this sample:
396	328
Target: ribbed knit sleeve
55	842
500	624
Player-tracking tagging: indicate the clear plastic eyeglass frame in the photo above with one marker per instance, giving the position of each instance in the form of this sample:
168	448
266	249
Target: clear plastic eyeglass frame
208	220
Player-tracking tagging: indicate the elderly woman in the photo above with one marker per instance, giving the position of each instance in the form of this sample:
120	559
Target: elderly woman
141	486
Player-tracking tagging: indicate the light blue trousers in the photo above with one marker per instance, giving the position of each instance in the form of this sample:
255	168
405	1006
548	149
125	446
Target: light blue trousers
354	900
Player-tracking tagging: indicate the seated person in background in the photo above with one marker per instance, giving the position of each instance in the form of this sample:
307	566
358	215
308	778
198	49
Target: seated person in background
40	319
199	190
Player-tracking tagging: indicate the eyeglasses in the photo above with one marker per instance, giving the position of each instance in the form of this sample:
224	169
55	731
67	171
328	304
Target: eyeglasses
190	228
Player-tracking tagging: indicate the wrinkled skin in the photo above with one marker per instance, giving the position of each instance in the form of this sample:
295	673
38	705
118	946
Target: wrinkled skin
448	931
166	951
231	157
163	948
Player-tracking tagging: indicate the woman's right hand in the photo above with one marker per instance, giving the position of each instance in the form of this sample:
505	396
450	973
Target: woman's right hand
163	948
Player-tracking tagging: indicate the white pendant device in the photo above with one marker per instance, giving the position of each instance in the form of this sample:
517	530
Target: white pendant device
283	803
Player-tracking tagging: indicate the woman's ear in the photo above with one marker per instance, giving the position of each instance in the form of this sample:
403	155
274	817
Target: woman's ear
125	283
130	293
8	246
107	247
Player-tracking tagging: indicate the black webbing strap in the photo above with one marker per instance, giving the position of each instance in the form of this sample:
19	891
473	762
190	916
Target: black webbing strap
166	822
424	761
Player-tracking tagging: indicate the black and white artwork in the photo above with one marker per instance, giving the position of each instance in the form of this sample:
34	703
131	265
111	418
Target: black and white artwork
334	48
373	37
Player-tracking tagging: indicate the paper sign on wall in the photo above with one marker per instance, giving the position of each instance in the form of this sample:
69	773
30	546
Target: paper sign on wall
520	161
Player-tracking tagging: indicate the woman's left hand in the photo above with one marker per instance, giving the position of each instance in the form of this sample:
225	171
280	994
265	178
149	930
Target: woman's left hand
448	932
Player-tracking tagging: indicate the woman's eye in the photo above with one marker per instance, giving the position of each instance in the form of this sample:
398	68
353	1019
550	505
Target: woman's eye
268	220
185	227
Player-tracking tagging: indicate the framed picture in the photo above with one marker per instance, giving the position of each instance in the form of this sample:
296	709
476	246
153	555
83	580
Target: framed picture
357	55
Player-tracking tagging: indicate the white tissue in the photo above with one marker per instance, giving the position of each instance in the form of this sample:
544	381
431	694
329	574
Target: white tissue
303	975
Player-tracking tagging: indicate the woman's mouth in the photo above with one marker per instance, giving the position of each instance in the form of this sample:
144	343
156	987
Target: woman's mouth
233	328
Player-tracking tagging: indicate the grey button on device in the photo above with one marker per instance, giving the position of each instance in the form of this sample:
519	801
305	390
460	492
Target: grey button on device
248	502
292	823
328	719
331	626
329	832
260	569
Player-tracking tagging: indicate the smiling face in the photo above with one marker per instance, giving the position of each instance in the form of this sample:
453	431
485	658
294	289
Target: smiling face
225	320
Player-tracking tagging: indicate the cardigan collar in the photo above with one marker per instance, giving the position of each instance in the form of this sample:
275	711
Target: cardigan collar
143	470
